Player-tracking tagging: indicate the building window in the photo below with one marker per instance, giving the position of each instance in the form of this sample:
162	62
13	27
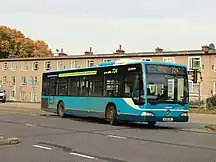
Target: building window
215	64
13	66
90	63
34	81
169	59
22	96
193	88
74	64
13	80
194	62
60	65
146	59
4	79
47	65
13	94
24	66
33	97
5	66
35	66
23	80
214	87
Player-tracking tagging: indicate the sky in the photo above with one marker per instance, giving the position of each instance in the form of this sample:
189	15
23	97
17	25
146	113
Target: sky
138	25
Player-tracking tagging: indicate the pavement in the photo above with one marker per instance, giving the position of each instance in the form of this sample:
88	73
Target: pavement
50	138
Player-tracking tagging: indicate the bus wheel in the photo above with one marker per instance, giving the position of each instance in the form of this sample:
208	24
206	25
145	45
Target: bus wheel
151	124
111	114
61	109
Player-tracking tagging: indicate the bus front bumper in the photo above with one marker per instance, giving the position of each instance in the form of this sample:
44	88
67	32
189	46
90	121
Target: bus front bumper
153	118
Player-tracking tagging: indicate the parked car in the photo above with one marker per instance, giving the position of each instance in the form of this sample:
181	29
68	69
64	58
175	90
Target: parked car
2	95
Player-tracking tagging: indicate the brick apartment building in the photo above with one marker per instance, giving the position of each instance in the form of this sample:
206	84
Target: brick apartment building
21	77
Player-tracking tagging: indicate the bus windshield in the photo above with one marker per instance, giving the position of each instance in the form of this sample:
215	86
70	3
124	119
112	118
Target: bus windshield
167	84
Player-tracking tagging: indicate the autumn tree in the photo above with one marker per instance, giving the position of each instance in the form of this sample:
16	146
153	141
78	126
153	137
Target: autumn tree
41	49
16	44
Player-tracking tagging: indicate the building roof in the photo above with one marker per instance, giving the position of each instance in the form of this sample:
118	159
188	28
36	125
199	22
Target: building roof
118	55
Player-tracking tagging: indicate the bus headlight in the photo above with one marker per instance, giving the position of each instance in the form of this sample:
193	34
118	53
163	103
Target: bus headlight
184	114
147	114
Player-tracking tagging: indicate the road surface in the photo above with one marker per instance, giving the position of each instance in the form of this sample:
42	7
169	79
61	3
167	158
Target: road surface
49	138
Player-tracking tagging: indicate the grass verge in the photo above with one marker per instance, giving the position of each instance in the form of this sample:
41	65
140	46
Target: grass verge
211	127
203	111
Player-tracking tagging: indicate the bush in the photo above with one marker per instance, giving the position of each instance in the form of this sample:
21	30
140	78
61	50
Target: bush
211	102
197	102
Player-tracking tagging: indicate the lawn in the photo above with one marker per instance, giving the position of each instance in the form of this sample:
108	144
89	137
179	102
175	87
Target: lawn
203	111
211	127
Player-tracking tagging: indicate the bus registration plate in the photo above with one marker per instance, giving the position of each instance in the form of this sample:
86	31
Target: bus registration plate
167	119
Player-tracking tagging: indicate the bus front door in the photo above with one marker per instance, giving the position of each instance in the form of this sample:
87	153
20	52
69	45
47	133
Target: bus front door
52	93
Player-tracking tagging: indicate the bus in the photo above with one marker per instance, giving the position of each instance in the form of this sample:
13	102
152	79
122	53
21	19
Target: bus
122	90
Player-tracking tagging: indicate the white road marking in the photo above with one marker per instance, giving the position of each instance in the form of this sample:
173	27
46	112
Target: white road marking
43	147
31	125
117	137
81	155
33	114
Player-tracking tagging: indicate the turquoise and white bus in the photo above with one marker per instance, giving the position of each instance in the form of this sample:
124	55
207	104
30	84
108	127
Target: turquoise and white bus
123	90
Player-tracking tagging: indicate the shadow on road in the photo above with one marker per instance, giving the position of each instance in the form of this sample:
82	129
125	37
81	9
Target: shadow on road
121	124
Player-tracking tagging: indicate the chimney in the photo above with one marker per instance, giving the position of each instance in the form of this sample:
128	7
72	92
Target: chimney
205	48
89	52
158	50
62	51
120	50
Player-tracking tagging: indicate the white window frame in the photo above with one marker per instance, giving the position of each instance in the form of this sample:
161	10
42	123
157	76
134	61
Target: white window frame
214	87
23	80
34	97
46	63
147	59
12	83
190	67
75	64
168	59
215	64
11	92
4	79
60	65
22	98
4	66
13	66
34	80
24	66
34	67
89	62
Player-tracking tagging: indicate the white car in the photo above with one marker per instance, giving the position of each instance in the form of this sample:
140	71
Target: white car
2	96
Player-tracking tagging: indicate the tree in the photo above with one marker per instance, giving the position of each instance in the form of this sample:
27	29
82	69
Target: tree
16	44
41	49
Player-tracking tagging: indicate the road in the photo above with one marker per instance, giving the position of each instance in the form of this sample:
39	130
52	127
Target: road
49	138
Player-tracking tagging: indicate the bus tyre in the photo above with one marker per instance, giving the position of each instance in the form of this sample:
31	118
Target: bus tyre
61	109
112	115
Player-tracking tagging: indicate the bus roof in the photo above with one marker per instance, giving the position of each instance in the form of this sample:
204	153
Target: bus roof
118	62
